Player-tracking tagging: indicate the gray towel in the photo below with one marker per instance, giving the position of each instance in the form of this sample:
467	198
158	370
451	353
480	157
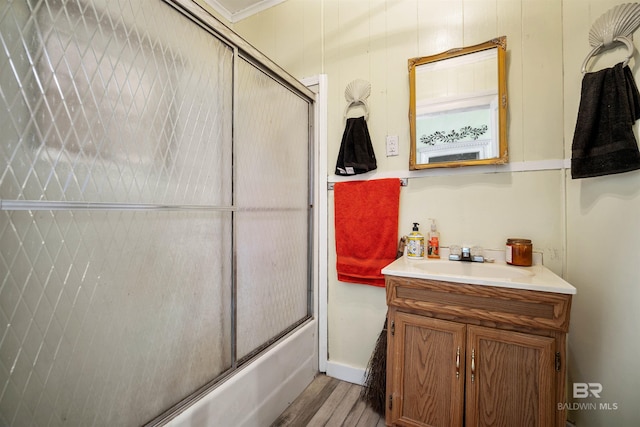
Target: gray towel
603	142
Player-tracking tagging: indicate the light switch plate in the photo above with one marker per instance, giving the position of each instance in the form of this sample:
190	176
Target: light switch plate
392	145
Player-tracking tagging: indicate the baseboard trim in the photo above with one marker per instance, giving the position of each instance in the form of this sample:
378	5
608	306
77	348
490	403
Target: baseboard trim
346	372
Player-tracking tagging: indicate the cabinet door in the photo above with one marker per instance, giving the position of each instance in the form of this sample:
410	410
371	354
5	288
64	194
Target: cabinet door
510	379
426	373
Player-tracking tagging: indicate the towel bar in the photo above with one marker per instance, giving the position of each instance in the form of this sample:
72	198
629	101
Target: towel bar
403	183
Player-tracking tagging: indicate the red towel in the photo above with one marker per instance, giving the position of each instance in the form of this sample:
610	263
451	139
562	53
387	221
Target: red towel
366	224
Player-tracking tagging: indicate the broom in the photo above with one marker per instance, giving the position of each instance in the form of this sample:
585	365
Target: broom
375	380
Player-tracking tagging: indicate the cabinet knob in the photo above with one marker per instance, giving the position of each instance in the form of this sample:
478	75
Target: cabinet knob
458	363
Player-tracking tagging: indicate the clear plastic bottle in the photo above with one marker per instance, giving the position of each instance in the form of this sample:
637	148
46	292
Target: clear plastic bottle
433	250
415	243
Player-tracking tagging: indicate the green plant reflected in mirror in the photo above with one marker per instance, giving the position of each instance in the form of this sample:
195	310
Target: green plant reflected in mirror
458	107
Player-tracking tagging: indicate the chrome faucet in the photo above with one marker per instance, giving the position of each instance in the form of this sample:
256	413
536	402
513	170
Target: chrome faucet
456	253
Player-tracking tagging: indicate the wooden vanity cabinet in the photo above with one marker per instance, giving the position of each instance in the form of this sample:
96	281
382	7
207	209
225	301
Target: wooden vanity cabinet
470	355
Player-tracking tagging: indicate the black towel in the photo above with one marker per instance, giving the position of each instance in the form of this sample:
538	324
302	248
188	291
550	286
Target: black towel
603	142
356	151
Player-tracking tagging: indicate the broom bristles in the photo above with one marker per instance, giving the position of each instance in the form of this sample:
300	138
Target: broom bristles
375	380
374	389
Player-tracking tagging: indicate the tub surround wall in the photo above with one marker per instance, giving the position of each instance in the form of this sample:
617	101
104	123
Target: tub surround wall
575	224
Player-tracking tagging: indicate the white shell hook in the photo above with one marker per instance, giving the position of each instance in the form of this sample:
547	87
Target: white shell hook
615	25
628	43
356	93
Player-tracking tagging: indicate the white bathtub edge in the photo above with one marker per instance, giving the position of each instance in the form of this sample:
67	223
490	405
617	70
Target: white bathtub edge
261	391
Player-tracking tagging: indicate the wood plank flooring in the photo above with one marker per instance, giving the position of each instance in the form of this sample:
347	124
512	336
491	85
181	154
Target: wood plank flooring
329	402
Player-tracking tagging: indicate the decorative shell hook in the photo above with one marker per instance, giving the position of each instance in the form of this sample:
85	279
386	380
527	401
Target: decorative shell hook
620	21
616	25
357	93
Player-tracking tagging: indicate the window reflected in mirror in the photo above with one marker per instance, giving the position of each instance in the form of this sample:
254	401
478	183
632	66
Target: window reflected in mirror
458	107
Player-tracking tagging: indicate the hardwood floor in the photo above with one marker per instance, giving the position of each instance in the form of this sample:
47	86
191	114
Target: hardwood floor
329	402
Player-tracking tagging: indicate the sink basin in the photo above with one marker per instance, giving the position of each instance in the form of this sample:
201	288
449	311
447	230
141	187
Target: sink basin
472	269
496	274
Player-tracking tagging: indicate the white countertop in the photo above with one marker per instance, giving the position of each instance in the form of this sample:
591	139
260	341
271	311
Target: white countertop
499	273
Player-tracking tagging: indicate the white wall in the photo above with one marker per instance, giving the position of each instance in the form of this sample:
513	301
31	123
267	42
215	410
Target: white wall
603	252
588	230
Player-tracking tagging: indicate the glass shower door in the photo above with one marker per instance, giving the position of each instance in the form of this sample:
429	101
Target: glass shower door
154	210
271	192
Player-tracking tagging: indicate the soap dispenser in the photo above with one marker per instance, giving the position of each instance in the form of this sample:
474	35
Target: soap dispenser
415	243
433	250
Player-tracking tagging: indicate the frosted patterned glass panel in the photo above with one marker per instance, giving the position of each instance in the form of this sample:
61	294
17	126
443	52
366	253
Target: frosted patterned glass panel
109	317
113	101
119	303
271	193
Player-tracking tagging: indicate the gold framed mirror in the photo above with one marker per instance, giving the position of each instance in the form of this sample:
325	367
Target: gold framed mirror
458	107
